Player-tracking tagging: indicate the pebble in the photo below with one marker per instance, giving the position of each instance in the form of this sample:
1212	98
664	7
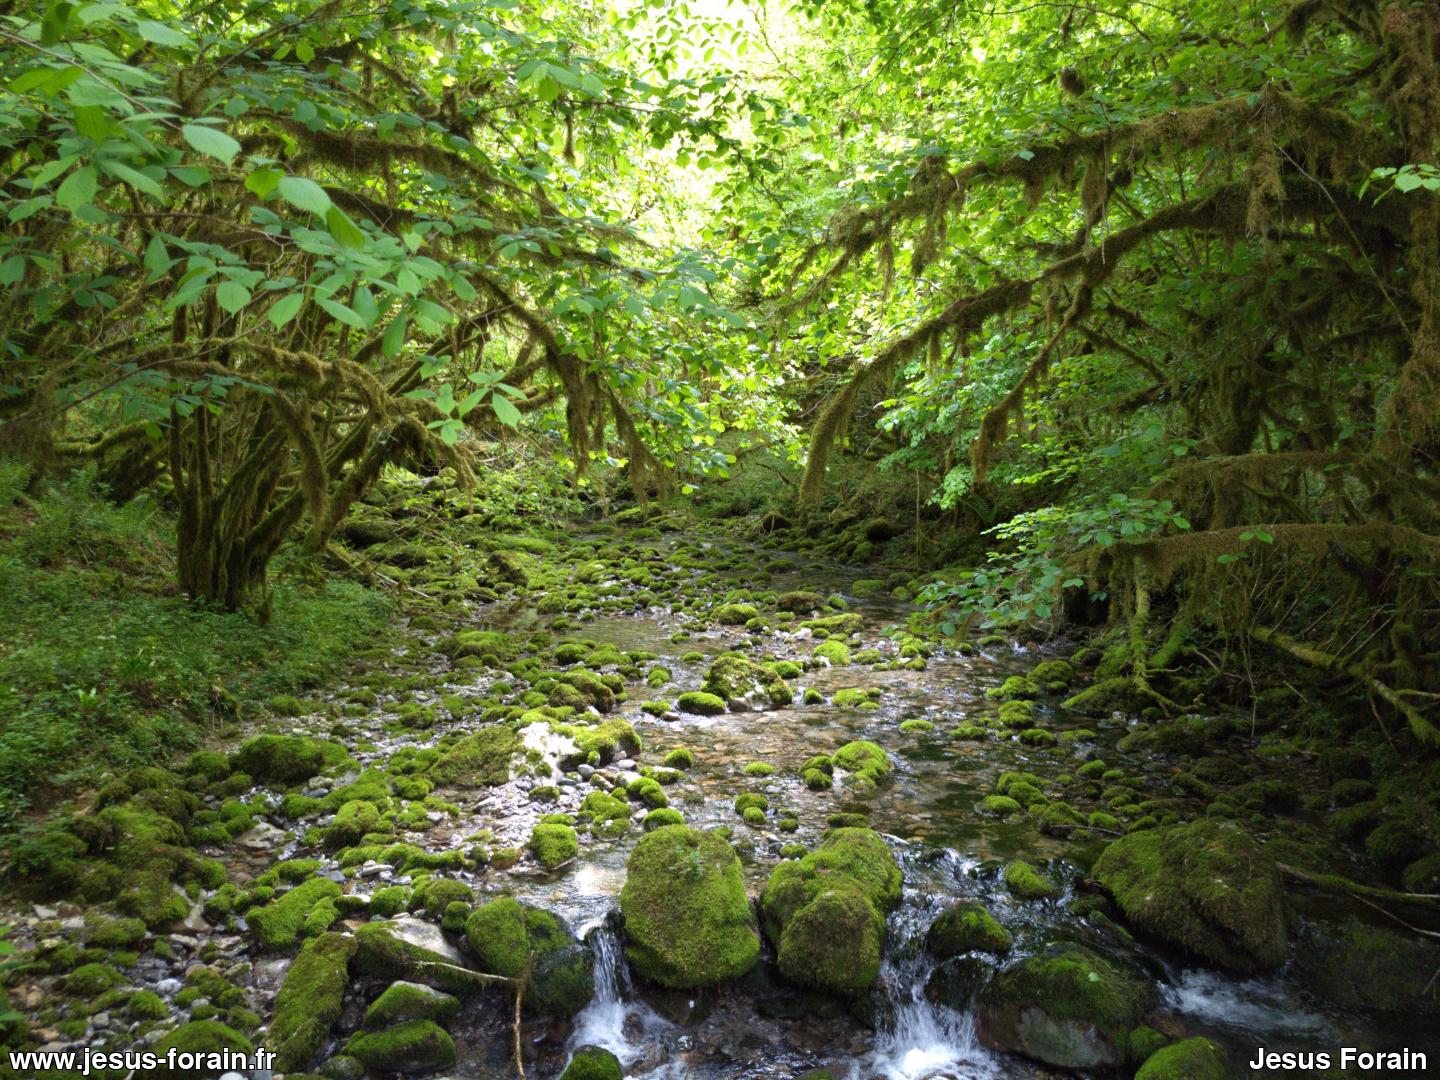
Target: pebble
586	771
46	912
375	869
168	986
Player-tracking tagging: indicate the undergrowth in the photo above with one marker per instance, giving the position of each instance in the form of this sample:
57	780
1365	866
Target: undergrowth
105	665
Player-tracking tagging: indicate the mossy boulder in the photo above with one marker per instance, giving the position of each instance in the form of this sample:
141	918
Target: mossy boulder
286	759
554	844
833	652
735	614
480	759
1358	965
402	1001
412	950
688	921
1068	1007
701	703
309	1001
1188	1059
967	927
1206	887
739	680
414	1046
199	1037
865	763
593	1063
825	912
504	934
280	923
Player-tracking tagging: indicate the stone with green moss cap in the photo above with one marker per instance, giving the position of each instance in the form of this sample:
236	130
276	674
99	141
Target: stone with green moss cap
309	1001
479	759
739	680
865	762
1206	887
285	759
965	927
413	1046
280	923
402	1001
688	922
503	936
1188	1059
198	1037
414	950
1067	1006
825	913
593	1063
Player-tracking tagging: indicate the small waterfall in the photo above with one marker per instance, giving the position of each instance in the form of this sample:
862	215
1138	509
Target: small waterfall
916	1038
614	1019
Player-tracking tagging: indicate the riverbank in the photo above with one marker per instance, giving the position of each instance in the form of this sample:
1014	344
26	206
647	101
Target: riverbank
552	696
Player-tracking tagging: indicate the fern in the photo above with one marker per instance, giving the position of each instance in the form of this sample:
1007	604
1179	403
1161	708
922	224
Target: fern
14	479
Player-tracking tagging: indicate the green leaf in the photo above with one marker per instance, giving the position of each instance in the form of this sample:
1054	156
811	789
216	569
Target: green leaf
342	313
12	270
232	296
394	339
304	194
78	189
159	34
157	259
262	182
345	231
505	412
285	309
135	178
212	142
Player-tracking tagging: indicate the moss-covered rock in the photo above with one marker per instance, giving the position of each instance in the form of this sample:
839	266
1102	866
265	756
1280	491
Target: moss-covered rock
309	1001
866	763
833	652
688	922
503	936
402	1001
414	951
735	614
1206	887
554	844
1026	882
965	927
1068	1007
593	1063
481	759
825	913
1357	965
280	923
285	759
701	703
199	1037
1188	1059
414	1046
740	680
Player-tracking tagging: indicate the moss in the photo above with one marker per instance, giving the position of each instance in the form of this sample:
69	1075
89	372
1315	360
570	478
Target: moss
700	703
833	652
353	821
1360	966
199	1037
1206	887
658	819
916	727
481	759
688	921
117	933
846	623
965	927
593	1063
852	697
738	679
286	759
680	759
554	845
999	806
413	1046
91	980
1067	1007
1026	882
390	900
402	1001
866	763
381	951
759	769
146	1005
751	801
603	807
309	1001
735	614
1016	686
279	924
1059	819
1423	875
812	696
844	888
647	790
1395	844
439	893
1189	1059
